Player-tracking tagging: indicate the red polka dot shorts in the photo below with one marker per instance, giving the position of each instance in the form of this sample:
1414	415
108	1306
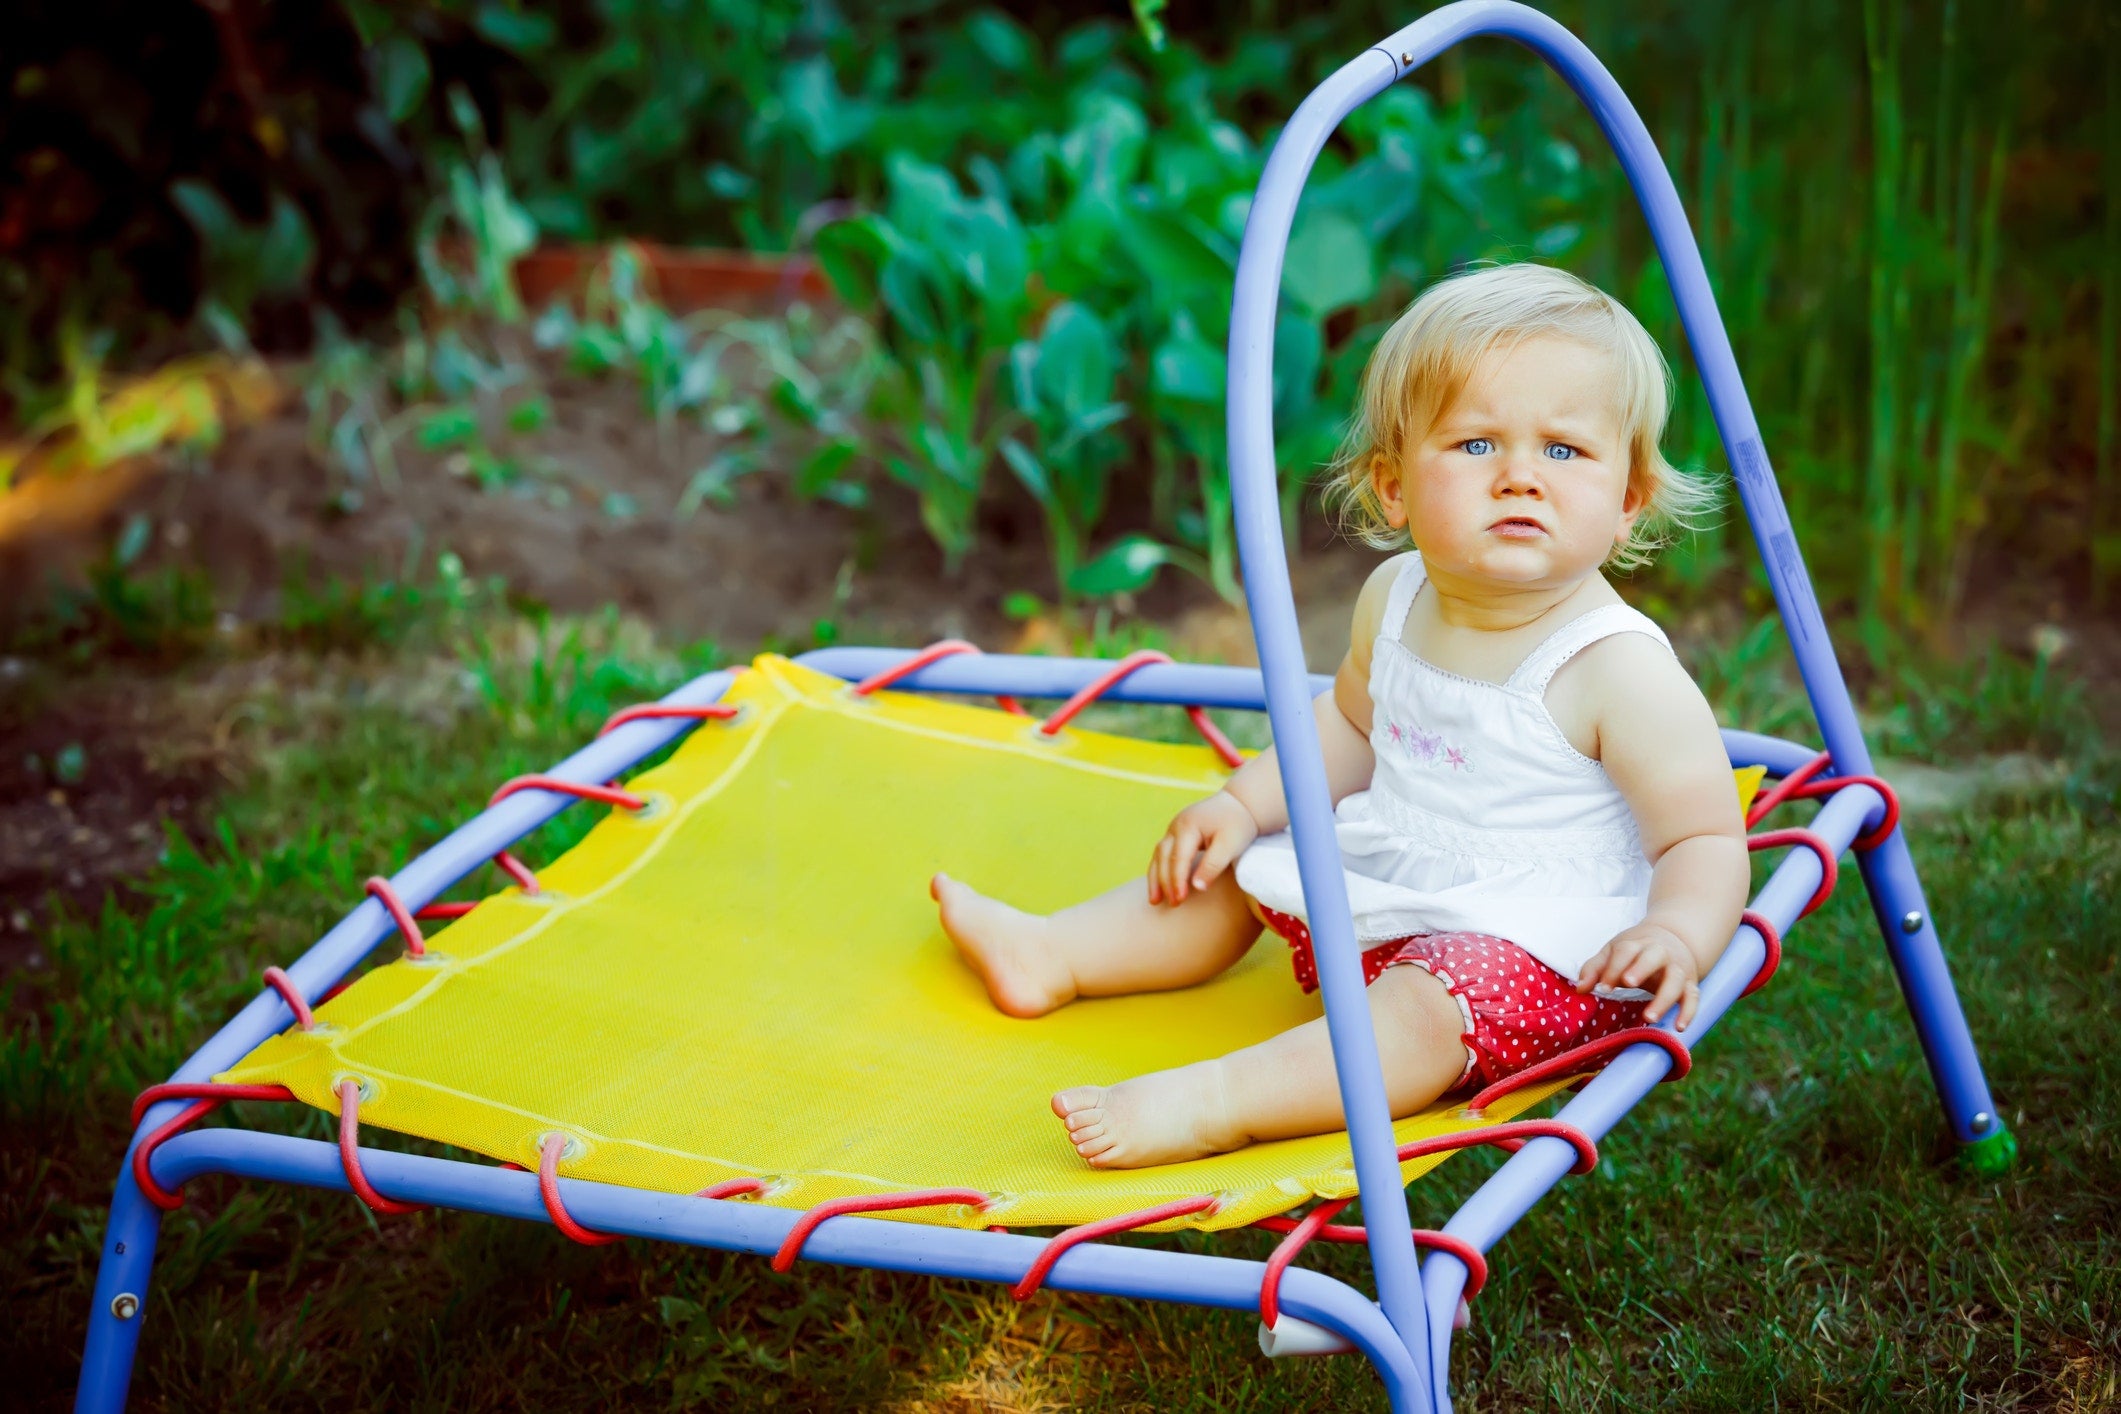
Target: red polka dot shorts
1517	1010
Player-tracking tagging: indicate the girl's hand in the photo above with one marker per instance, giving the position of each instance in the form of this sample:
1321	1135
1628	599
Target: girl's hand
1202	840
1652	956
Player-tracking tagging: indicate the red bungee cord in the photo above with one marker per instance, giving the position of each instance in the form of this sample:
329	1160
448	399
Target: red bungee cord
1042	1266
1118	673
349	1092
792	1246
934	652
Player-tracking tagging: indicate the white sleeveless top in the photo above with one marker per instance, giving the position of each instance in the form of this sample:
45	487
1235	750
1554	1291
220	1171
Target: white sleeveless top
1480	816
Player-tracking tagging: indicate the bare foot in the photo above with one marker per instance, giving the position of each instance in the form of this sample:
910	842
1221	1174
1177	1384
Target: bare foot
1007	947
1165	1117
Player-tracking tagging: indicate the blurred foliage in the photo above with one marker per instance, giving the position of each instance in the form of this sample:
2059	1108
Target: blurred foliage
1905	211
223	160
185	404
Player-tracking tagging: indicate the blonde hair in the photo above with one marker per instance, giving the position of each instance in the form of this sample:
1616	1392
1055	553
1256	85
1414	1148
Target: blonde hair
1429	354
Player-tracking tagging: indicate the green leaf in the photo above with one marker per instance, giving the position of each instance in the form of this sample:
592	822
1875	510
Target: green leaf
923	197
795	400
913	291
1148	15
1029	170
70	764
595	350
1188	369
852	254
826	119
1299	349
209	215
398	69
988	246
1126	567
1178	254
1106	145
515	30
1077	361
286	249
821	470
729	183
133	541
948	455
1003	42
529	415
1330	265
448	427
1557	240
1029	470
1094	421
464	112
715	482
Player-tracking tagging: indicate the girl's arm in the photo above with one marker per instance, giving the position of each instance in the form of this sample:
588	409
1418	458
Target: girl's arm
1204	838
1659	743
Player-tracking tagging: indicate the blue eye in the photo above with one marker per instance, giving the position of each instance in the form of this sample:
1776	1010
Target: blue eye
1477	446
1560	452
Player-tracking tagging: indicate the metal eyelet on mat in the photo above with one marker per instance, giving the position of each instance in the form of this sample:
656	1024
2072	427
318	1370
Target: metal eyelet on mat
571	1148
655	805
368	1089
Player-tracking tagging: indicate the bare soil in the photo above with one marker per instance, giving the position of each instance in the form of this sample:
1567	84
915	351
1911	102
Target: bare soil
90	786
591	518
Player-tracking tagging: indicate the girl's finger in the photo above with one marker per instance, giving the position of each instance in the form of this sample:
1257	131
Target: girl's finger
1671	986
1648	960
1689	1004
1622	963
1593	971
1220	850
1160	872
1182	860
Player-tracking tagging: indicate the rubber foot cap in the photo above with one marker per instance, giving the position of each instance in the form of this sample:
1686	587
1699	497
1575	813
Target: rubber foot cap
1990	1156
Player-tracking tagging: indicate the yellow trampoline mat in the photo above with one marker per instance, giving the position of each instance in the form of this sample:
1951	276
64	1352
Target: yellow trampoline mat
747	978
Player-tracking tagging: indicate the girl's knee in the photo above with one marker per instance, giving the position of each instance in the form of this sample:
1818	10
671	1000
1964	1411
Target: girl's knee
1415	1001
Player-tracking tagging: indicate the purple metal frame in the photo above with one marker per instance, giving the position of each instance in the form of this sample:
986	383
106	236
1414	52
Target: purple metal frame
1406	1332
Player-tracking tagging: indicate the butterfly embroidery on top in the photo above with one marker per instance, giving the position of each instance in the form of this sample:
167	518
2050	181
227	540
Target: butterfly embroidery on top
1427	746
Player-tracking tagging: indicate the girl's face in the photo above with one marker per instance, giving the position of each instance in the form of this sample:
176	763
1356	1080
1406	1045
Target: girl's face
1523	482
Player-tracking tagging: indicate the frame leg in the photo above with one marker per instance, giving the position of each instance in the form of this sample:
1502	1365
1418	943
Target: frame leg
120	1303
1404	1389
1987	1145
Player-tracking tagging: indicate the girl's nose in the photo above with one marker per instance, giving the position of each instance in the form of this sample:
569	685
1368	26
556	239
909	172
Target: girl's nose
1520	475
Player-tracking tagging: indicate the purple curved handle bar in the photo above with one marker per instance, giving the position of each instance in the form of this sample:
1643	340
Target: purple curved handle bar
1895	890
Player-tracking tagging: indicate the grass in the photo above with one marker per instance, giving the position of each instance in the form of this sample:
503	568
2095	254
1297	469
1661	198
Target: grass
1776	1232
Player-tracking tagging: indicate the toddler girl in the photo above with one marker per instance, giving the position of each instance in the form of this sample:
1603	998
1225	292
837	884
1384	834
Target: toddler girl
1533	804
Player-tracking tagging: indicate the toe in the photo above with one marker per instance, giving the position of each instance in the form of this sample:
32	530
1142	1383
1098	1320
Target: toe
1082	1097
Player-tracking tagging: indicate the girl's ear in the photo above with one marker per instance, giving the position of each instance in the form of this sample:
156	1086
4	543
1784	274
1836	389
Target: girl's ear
1633	502
1391	496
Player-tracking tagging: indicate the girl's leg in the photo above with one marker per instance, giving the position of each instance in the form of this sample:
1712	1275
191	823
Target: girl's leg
1113	944
1283	1087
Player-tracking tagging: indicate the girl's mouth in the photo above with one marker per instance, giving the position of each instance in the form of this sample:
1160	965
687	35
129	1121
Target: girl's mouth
1517	528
